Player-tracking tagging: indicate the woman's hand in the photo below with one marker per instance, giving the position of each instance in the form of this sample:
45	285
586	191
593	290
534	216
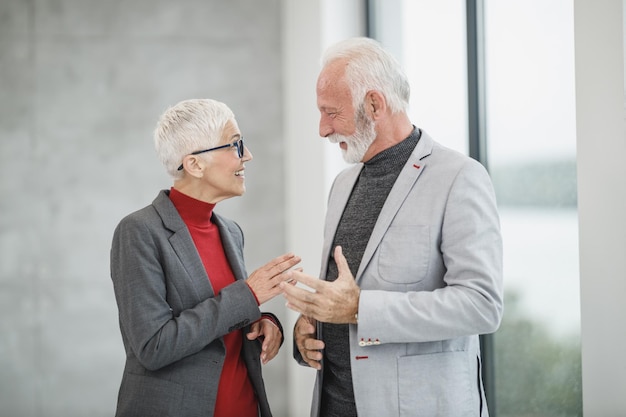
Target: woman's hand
269	334
265	281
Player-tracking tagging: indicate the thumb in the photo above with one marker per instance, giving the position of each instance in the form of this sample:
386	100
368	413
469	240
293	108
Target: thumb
254	331
342	264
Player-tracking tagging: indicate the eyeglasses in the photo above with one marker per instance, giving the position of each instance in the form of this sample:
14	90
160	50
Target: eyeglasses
237	143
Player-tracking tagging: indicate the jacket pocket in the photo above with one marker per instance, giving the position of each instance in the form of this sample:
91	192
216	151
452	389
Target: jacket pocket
147	396
437	385
404	253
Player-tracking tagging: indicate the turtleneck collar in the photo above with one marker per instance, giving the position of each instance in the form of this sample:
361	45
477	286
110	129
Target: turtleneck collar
193	212
395	156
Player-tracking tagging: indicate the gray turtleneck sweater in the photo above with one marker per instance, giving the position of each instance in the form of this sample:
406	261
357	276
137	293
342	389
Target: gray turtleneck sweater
353	232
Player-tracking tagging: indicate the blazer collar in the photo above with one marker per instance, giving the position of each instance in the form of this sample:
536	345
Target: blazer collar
411	171
185	249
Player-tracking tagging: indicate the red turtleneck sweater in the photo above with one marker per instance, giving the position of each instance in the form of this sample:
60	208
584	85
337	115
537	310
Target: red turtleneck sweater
235	396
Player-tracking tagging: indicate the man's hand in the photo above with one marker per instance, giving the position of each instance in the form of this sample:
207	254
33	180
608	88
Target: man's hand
309	347
330	302
270	336
265	281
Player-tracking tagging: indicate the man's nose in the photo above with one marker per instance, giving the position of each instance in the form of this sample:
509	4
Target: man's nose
326	128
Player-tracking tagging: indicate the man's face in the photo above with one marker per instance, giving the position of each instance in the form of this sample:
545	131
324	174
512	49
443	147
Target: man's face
354	147
339	121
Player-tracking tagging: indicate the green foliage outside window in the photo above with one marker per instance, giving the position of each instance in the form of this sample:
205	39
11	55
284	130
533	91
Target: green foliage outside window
537	374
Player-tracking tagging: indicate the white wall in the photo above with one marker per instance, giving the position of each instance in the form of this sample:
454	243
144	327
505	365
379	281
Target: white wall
308	28
601	202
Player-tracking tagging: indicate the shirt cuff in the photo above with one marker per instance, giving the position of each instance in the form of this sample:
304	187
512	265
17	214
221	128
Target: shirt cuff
270	318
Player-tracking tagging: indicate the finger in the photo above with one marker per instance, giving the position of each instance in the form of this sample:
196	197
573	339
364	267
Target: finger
284	276
298	300
271	354
314	362
269	350
314	345
283	263
267	342
296	307
255	329
308	280
274	263
306	355
288	275
294	293
305	329
342	264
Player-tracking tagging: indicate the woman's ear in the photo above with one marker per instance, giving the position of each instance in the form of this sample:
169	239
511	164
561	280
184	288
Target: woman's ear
193	165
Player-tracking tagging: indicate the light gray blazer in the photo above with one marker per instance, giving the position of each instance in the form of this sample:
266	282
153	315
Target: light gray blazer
171	321
431	281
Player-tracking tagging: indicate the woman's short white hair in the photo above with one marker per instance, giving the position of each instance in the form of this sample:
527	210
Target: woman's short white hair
189	126
371	67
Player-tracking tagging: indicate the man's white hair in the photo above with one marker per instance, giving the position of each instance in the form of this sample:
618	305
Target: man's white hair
371	67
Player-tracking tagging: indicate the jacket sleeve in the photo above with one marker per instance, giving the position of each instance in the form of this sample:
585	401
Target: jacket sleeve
467	297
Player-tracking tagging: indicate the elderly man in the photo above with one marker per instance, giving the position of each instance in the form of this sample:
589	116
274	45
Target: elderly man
412	257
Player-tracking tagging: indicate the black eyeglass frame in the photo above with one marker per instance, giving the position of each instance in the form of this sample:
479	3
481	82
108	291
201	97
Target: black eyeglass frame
238	143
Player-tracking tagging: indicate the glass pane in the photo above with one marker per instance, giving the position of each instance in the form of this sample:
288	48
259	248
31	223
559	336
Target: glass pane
529	50
435	59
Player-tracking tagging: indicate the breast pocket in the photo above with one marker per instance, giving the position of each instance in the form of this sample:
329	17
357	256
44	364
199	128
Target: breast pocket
404	254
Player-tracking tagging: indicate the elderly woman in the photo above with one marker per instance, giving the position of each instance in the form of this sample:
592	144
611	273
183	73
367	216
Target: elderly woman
188	311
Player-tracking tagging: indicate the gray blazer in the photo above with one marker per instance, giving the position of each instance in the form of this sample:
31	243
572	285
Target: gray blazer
171	321
431	282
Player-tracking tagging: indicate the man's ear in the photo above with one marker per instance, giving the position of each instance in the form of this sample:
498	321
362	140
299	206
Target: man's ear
375	104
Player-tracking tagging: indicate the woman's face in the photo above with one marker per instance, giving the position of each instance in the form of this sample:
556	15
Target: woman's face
224	175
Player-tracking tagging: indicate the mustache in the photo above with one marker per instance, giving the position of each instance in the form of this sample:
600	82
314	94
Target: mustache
335	138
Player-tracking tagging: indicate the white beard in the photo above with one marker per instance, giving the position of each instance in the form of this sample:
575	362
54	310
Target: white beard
359	142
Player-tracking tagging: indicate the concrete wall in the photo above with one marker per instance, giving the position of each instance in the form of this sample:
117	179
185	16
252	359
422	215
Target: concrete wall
82	83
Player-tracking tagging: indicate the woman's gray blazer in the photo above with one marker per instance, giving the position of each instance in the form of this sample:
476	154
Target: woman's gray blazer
171	321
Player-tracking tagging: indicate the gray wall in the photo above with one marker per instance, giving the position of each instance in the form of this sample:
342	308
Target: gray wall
82	84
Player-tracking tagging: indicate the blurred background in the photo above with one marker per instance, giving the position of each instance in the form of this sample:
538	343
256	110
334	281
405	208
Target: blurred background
533	89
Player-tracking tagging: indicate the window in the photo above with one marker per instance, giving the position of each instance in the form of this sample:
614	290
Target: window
528	123
531	147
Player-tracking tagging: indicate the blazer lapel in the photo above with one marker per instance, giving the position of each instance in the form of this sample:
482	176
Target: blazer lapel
339	195
401	188
183	246
231	248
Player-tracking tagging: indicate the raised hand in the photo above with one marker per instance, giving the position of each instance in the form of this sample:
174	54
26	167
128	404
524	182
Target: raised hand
331	301
265	280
